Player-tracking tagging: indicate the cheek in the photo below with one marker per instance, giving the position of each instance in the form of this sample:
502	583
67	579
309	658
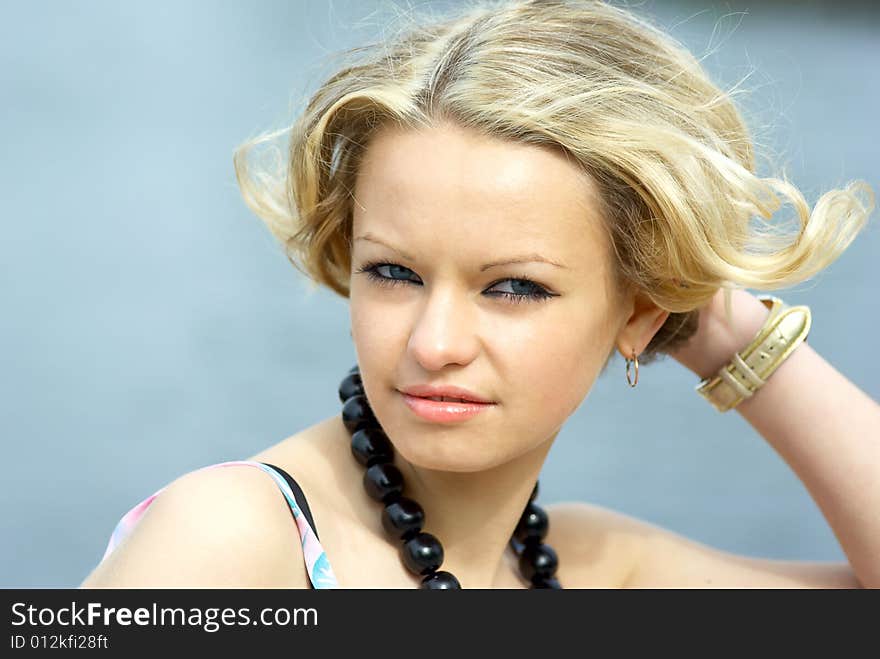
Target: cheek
378	340
376	330
555	365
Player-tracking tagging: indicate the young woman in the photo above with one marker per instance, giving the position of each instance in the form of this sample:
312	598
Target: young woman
508	197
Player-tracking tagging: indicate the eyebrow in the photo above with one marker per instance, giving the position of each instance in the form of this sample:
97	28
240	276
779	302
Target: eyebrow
521	258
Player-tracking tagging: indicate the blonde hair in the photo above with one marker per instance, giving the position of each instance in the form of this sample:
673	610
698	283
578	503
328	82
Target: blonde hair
669	150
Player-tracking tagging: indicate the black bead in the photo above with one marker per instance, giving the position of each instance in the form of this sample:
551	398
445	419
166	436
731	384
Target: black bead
534	493
356	413
354	369
371	445
538	560
516	546
383	482
351	385
403	518
551	582
440	581
533	524
422	553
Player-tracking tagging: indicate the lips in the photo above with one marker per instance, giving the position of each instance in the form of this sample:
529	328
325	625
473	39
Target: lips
444	411
444	393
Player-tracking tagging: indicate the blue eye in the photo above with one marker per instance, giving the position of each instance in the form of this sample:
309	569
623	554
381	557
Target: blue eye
528	289
396	272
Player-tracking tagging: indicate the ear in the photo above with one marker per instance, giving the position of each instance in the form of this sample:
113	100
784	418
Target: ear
641	322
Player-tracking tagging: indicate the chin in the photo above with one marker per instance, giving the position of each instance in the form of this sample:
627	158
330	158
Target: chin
425	458
439	453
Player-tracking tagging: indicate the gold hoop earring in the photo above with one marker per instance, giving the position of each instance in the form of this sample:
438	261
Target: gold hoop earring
628	362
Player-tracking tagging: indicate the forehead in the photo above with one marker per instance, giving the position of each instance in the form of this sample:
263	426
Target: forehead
449	181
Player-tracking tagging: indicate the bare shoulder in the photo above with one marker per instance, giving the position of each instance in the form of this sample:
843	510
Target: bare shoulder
224	527
597	547
602	545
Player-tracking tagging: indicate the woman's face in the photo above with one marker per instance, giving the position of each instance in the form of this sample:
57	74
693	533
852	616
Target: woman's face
436	215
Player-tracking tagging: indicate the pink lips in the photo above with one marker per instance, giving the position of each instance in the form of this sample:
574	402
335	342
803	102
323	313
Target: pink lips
444	411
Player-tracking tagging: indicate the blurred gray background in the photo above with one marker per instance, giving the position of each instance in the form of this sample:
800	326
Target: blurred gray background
151	325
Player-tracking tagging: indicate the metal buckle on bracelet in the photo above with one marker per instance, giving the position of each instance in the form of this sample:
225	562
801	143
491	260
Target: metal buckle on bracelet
783	331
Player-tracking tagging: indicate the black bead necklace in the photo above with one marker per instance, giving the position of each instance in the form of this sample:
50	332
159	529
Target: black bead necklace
403	518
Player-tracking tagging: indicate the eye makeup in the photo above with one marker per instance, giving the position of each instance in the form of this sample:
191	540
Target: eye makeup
534	293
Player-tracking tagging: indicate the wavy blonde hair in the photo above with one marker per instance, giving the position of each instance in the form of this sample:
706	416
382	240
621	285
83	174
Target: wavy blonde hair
669	150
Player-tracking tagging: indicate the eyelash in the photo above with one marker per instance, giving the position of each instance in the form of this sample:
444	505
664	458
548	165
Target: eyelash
539	295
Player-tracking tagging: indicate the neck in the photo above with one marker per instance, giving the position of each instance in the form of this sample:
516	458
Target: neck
473	514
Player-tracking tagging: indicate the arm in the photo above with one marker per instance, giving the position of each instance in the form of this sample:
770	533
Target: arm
603	548
213	528
824	427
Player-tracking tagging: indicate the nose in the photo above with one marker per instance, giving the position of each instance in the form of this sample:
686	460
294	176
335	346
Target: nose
444	332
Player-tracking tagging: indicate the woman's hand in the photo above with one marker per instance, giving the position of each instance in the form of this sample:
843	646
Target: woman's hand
715	341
